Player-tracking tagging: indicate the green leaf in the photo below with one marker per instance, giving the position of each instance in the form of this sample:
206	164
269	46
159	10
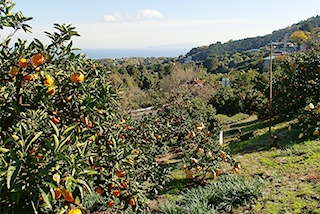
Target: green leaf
54	127
88	172
63	148
68	183
63	142
52	185
12	173
46	198
34	206
4	150
63	210
56	142
47	168
62	157
33	139
92	155
68	129
85	184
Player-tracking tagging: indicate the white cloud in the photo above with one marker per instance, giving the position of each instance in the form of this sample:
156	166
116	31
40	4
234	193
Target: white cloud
120	17
148	13
151	13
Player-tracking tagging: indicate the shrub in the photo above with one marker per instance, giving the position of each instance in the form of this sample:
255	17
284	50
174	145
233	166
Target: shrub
224	195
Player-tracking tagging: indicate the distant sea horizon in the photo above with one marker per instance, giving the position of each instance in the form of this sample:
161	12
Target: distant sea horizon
126	53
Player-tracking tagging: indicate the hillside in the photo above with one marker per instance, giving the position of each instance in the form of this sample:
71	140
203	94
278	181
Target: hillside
201	53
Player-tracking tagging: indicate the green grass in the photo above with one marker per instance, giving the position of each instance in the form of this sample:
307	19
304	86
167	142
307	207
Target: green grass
228	120
292	171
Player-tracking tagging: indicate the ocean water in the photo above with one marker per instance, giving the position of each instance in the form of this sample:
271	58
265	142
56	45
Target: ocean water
125	53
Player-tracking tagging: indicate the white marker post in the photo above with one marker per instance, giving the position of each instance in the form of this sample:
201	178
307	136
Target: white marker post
221	138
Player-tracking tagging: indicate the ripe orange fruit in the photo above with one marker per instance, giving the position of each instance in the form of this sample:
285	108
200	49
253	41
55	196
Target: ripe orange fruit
83	119
68	98
55	120
137	152
223	154
48	81
38	59
217	172
14	71
76	211
23	63
35	76
69	197
111	203
89	124
235	170
158	136
116	193
28	77
131	161
99	190
112	186
77	77
194	160
57	193
124	185
132	201
121	173
237	166
213	175
51	91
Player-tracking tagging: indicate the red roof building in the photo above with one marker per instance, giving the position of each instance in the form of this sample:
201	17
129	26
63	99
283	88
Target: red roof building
198	82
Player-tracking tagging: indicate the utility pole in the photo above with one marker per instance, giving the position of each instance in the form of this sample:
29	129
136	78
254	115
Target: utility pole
270	98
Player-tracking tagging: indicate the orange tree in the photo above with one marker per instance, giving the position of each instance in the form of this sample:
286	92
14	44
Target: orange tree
298	83
62	133
190	127
295	85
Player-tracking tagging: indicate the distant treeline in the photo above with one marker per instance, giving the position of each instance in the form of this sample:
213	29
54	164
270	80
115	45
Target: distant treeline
201	53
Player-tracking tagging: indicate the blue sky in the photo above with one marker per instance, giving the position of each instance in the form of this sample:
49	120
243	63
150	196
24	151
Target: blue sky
142	23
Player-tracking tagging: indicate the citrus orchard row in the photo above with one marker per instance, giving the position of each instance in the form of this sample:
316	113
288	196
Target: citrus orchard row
64	135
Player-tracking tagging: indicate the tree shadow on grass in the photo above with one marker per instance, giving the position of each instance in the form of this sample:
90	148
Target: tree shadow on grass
263	142
178	185
257	124
244	124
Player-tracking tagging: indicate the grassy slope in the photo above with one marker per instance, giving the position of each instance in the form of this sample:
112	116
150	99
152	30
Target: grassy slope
291	171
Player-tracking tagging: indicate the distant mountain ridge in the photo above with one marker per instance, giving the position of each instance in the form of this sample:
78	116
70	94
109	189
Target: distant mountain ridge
201	53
